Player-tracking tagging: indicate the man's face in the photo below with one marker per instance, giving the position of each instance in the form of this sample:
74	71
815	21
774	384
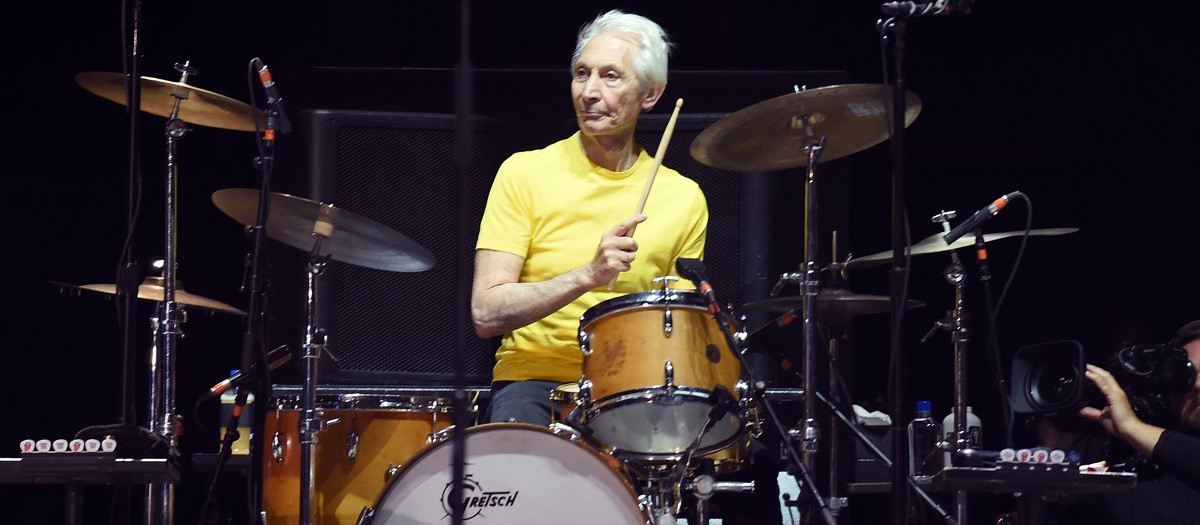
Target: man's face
604	86
1189	406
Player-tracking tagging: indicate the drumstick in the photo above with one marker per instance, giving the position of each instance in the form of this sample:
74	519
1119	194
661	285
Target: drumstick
658	158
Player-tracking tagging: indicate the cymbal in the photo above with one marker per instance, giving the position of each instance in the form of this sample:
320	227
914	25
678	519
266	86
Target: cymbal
350	238
770	135
200	107
834	305
152	290
935	243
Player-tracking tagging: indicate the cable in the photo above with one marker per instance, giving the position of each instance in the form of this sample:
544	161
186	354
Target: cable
994	313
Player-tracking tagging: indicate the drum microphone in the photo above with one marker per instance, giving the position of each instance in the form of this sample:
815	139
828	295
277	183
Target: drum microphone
693	270
980	217
275	359
273	98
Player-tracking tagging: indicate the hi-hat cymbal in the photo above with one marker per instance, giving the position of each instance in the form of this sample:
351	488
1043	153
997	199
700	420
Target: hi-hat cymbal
935	243
834	305
771	135
350	238
200	107
152	290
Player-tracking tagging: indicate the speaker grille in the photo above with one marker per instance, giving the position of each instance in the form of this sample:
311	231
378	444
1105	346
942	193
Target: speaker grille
723	189
401	170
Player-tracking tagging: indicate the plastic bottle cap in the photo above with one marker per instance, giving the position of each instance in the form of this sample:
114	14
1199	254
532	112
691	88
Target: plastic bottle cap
924	406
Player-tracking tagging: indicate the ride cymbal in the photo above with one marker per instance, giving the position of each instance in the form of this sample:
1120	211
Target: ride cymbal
350	238
772	135
152	290
935	244
199	106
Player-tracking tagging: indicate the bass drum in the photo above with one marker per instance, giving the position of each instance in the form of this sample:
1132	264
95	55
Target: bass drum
515	473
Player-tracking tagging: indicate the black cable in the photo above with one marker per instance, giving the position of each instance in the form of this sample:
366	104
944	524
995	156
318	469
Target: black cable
994	313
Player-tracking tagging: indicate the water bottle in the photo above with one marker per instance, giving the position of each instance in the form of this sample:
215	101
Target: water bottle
228	399
923	434
974	433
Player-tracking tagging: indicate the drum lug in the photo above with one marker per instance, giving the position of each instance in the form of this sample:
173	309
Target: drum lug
391	472
352	446
585	392
440	436
668	323
585	340
669	374
366	516
277	447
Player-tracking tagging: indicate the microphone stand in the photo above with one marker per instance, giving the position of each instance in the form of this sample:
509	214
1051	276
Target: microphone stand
463	77
897	26
231	436
898	274
253	357
127	276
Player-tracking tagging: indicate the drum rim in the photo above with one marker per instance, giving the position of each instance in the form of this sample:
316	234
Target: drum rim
490	427
673	297
370	402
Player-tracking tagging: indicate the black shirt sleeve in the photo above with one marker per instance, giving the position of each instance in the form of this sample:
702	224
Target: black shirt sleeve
1179	455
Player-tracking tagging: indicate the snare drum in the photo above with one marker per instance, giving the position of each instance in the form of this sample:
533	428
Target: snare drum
515	473
565	397
366	439
655	364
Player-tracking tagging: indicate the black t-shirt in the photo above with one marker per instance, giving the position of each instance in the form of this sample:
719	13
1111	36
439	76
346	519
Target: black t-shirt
1171	498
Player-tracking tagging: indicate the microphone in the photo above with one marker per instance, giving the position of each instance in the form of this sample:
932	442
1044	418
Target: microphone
914	9
275	359
273	98
693	270
980	216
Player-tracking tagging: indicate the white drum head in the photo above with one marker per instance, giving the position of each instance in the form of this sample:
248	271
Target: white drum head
515	474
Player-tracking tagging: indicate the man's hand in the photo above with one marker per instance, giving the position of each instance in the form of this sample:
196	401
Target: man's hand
615	253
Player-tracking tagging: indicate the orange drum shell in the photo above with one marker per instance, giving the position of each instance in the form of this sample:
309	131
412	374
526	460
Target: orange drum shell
629	351
387	438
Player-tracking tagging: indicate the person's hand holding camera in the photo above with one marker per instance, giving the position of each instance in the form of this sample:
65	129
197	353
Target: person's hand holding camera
1118	417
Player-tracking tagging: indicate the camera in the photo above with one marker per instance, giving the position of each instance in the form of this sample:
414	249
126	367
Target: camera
1047	377
1150	375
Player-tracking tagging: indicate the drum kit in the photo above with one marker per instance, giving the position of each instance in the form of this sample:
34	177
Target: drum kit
664	400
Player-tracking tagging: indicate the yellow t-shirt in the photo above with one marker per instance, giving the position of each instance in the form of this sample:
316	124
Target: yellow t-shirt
550	207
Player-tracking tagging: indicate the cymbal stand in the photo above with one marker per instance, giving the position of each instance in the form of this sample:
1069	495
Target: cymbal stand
315	341
956	323
756	391
160	496
811	430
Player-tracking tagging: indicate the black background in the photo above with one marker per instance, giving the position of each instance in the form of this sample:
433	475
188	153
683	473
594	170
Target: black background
1087	107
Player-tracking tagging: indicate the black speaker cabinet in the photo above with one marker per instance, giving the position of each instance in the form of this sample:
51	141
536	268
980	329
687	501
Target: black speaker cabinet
403	171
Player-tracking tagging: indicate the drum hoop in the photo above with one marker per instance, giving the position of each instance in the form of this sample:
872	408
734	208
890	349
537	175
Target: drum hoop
490	427
651	299
371	403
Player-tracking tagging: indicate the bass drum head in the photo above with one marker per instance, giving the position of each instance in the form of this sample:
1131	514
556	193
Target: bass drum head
515	473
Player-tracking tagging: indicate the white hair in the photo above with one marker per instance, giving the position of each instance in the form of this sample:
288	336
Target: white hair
650	62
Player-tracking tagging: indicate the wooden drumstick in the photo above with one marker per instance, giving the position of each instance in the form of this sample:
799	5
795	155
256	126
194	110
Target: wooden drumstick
658	158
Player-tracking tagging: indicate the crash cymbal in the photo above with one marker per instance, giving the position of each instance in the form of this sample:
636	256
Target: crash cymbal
152	290
935	243
350	238
770	135
200	107
834	305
